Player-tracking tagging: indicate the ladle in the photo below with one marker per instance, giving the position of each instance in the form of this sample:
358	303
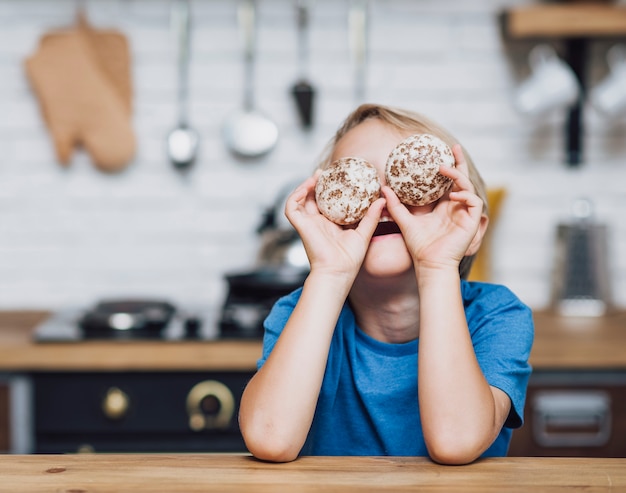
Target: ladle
248	132
183	141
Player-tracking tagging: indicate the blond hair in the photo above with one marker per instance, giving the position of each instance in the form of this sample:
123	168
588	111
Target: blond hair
417	124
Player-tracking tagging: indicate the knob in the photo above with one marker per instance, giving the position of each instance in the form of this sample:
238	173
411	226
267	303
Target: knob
210	405
85	448
115	403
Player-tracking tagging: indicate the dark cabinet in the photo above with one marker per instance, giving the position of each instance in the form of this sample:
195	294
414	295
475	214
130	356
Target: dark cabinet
5	443
573	414
137	412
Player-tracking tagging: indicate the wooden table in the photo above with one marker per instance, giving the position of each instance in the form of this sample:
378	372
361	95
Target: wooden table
243	474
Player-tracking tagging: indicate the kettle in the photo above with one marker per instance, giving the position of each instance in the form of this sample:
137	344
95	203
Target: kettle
581	280
281	246
281	267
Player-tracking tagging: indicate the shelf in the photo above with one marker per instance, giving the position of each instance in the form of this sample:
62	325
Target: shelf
575	25
564	21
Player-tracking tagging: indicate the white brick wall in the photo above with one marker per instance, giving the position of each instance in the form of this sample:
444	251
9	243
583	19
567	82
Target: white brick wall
70	236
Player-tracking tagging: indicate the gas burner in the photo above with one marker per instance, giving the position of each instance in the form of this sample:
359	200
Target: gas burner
128	320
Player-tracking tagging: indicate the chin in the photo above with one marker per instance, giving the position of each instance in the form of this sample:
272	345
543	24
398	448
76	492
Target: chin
387	259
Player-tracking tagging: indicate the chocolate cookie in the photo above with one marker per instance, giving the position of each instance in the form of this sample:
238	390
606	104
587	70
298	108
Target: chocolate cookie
346	189
412	169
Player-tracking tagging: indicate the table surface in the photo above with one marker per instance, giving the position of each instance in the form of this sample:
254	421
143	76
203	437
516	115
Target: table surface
592	343
190	473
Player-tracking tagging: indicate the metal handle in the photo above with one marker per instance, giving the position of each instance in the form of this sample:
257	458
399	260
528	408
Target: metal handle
210	405
572	418
302	18
358	26
246	15
181	23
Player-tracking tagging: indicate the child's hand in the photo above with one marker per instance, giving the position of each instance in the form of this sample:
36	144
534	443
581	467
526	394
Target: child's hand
330	247
439	235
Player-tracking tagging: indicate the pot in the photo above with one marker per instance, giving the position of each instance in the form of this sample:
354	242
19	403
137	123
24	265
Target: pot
251	296
281	246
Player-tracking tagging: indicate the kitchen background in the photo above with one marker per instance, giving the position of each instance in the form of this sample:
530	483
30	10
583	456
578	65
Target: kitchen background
69	236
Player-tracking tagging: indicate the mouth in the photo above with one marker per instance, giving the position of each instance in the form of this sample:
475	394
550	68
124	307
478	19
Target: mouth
386	228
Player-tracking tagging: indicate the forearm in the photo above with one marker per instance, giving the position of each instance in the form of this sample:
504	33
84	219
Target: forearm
457	405
278	404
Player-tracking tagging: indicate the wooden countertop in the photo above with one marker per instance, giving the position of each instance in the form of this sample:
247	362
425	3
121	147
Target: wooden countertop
18	352
592	343
240	473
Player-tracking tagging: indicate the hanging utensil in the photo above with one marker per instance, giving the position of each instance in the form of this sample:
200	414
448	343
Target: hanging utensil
357	27
581	283
183	141
302	91
248	132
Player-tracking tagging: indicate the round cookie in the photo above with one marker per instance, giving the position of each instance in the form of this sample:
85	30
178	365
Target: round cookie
412	169
346	189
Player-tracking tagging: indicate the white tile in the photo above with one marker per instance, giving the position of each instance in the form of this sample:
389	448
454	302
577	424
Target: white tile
69	235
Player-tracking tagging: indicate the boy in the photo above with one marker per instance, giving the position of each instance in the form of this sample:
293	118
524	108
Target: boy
386	349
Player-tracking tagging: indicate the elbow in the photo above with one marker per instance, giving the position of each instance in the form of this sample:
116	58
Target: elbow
454	450
271	450
267	445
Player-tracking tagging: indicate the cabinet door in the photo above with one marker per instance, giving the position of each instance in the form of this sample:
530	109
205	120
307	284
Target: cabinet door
573	414
138	412
5	444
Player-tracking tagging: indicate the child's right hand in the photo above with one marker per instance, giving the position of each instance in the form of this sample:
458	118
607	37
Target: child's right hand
334	249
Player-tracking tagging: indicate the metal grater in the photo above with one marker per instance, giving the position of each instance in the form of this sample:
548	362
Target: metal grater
581	284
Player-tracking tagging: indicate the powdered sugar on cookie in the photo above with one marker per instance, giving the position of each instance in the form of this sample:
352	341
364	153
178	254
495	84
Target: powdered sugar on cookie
346	189
412	169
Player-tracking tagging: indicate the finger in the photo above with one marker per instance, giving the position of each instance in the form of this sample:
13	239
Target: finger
460	179
301	191
296	201
397	209
368	224
470	200
459	159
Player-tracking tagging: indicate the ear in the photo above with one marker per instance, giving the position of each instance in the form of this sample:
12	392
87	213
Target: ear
472	249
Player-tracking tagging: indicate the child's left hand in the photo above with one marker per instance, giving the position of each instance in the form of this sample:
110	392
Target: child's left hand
439	235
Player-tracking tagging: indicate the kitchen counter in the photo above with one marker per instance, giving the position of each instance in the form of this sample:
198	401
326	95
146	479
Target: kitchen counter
18	351
560	343
238	473
593	343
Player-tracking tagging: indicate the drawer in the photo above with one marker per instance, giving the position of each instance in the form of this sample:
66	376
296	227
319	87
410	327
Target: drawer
573	414
138	412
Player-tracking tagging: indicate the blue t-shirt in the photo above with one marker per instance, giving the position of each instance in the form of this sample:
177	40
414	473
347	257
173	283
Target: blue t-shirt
368	401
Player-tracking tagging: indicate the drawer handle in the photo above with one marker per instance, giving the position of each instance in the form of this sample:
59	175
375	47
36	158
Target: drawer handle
115	403
210	405
572	418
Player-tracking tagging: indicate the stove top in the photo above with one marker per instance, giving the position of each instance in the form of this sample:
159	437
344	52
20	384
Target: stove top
185	324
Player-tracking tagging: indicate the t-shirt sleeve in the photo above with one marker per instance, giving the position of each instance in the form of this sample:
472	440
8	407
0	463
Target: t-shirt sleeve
275	322
502	333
